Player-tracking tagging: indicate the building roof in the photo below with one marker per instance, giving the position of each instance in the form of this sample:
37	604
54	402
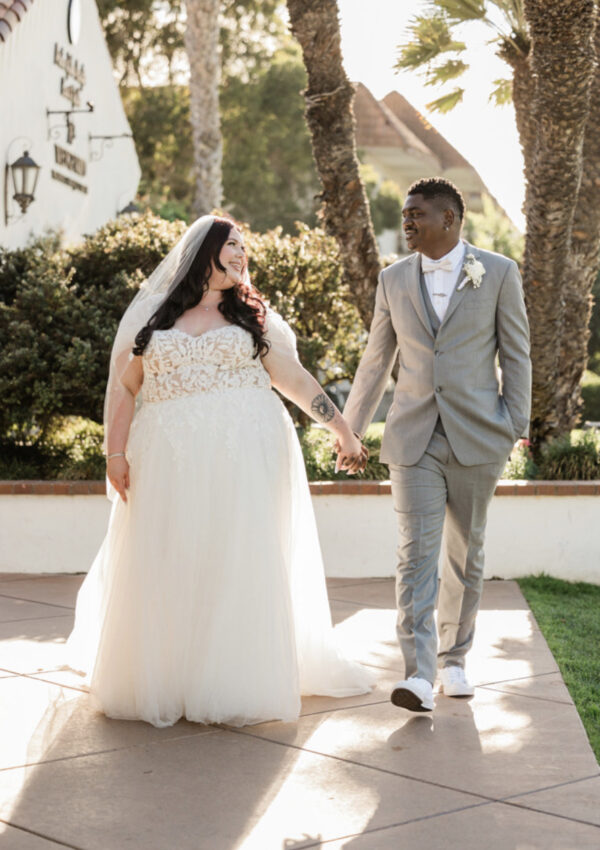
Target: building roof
378	126
448	156
11	12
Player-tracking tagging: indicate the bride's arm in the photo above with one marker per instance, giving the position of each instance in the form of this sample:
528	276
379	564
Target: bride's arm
291	379
123	406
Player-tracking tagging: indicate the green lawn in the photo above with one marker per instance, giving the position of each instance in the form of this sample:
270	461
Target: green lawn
568	613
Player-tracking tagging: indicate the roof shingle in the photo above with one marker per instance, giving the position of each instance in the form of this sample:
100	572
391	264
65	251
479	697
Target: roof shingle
420	126
11	13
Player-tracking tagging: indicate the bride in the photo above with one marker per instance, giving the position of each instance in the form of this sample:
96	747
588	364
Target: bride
207	599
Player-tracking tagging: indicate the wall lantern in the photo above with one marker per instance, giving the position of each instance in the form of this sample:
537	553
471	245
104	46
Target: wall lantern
131	209
24	173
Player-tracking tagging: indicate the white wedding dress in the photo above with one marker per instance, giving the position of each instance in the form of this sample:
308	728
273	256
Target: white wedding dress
207	599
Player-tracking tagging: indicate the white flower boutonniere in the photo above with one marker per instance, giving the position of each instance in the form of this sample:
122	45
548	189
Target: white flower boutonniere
473	271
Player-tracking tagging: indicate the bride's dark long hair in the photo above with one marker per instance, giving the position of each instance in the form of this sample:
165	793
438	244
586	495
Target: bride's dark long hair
241	305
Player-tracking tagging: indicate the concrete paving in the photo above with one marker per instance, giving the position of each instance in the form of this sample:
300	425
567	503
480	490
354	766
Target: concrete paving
509	769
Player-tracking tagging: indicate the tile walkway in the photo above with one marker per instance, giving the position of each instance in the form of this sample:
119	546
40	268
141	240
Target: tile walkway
510	769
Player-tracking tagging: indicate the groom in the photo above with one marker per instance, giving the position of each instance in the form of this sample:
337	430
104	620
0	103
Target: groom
445	312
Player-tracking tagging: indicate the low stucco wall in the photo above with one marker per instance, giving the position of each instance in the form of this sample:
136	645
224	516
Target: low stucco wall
525	535
532	527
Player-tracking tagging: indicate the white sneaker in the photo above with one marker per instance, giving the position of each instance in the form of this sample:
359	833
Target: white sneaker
454	682
415	694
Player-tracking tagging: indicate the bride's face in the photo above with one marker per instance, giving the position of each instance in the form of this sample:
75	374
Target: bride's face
233	260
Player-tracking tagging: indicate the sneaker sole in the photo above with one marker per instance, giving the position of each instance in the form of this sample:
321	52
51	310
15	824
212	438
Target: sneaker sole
463	694
405	698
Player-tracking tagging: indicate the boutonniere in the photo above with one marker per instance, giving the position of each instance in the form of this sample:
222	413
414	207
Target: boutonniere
473	271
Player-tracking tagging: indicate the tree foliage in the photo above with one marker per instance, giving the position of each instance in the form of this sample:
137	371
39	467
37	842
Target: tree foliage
492	230
302	278
160	122
146	38
385	200
269	177
594	340
432	47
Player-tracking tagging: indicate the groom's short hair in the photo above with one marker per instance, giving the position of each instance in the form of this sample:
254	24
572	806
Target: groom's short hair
439	187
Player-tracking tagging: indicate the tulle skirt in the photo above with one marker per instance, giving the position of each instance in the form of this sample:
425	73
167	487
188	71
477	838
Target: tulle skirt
207	599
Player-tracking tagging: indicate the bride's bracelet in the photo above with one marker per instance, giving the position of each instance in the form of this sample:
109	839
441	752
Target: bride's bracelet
115	454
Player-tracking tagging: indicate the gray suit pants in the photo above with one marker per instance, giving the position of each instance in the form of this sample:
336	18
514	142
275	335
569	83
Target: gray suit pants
439	494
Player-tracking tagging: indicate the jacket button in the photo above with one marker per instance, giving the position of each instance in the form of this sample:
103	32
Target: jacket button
438	389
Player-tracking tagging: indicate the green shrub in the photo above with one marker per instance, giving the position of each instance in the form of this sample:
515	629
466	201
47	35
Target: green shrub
81	441
575	457
590	391
71	450
131	246
319	455
34	460
301	277
594	340
520	465
59	311
492	230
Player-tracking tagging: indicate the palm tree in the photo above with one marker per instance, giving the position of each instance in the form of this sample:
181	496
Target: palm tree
330	120
583	264
548	45
562	63
202	46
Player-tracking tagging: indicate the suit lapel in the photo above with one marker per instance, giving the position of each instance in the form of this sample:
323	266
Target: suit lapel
415	293
457	296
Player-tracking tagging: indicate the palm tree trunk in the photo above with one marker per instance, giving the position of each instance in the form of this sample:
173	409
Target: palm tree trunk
516	54
562	61
583	264
330	120
202	46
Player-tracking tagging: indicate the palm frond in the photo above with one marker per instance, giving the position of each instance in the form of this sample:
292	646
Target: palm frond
447	102
460	11
450	70
429	35
502	94
514	13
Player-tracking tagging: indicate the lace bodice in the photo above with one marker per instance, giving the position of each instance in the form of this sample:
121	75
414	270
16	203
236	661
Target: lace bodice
178	364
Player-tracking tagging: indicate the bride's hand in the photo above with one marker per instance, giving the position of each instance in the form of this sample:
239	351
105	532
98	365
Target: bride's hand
352	455
117	471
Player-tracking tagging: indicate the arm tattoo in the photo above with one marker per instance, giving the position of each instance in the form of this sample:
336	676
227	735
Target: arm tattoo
322	408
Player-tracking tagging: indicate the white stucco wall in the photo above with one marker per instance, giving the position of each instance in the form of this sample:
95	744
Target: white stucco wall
51	534
30	83
526	534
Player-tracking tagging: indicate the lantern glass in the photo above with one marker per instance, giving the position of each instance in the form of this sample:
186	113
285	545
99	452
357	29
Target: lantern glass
25	174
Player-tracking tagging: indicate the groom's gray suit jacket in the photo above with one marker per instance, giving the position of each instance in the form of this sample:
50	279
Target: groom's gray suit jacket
450	373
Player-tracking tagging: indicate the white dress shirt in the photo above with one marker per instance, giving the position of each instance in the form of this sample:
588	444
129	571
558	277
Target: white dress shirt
441	282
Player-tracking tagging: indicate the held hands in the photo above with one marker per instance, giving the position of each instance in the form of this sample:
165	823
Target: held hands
351	455
117	471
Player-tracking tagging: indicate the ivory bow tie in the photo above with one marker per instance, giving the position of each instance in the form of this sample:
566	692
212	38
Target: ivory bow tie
429	265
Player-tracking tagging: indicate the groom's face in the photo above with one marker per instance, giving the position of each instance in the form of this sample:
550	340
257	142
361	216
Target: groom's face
423	224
